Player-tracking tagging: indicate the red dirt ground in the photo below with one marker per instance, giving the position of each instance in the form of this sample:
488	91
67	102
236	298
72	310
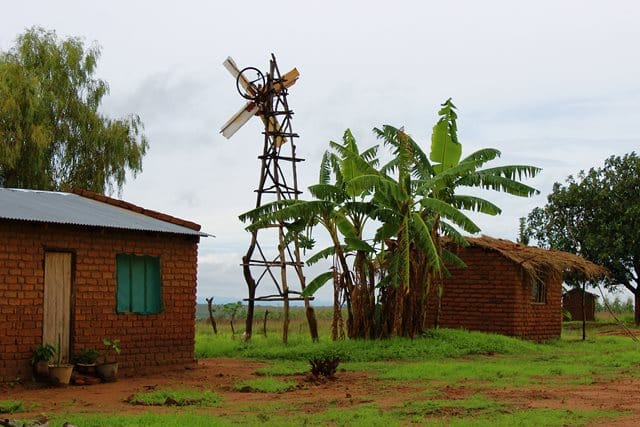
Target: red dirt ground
349	388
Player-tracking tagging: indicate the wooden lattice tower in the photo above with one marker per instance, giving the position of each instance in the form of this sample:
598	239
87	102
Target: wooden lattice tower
270	259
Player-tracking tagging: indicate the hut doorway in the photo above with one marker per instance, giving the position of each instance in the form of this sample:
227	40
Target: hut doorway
56	328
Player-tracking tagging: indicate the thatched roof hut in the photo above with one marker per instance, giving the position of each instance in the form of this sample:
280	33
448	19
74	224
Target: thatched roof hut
508	288
537	262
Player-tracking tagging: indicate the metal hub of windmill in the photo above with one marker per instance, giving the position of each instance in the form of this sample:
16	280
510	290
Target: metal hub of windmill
270	258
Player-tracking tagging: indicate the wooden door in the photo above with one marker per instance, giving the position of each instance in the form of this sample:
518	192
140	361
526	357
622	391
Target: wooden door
57	301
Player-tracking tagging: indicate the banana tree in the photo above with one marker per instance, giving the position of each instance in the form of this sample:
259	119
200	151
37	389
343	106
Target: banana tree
436	185
405	209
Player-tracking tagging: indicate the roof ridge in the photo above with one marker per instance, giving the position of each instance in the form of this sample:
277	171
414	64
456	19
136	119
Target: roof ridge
135	208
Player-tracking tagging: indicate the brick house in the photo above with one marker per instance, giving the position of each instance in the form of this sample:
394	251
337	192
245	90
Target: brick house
79	267
572	302
507	288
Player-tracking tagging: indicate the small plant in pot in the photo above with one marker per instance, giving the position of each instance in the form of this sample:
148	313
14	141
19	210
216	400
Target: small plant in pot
40	361
60	372
85	361
108	370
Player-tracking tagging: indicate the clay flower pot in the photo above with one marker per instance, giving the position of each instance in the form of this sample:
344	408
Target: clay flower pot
60	374
108	372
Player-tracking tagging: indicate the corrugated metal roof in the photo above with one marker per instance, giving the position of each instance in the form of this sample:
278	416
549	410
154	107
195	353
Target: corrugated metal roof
67	208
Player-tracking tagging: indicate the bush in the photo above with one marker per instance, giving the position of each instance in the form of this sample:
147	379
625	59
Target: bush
324	366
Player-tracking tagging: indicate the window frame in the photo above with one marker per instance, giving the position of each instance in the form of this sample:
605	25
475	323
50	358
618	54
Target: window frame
138	284
538	292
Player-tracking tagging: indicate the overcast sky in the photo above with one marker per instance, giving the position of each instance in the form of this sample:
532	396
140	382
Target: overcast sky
549	83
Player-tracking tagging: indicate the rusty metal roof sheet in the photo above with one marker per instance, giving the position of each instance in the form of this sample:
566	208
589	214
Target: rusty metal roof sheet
68	208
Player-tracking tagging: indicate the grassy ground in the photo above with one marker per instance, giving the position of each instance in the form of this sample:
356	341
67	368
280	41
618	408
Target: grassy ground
442	360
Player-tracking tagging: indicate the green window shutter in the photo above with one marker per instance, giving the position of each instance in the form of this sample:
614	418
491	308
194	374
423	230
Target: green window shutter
123	283
153	285
137	284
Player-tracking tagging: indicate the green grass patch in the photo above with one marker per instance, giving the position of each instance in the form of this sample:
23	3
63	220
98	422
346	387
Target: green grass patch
495	371
473	405
148	419
179	397
558	362
533	418
361	415
439	343
265	385
475	411
11	406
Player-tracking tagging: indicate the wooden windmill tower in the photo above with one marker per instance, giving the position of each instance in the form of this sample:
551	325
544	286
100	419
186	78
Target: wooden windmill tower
270	258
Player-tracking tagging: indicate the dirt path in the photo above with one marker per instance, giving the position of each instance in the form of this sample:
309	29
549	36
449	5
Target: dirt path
348	389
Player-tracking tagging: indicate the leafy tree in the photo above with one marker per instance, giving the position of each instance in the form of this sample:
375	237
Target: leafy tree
52	136
597	215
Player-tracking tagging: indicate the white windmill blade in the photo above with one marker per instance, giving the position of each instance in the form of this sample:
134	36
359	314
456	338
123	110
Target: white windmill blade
239	119
231	66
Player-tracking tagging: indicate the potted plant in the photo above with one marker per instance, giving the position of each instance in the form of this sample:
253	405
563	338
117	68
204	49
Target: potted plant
85	361
40	361
60	372
108	370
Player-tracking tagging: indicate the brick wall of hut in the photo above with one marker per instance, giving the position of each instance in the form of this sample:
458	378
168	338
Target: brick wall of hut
148	341
492	295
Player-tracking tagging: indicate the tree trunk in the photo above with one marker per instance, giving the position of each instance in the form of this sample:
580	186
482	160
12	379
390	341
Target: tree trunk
313	323
233	329
439	306
336	320
398	311
251	286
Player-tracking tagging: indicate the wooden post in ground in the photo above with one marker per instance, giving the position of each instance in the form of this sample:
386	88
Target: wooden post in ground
211	318
264	323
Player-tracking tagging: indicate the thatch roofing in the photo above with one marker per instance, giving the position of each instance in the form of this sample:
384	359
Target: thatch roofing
537	263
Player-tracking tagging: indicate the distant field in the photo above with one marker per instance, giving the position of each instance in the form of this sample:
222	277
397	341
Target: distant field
202	311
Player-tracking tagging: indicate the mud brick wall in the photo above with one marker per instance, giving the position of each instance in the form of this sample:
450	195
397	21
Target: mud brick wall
491	295
572	302
148	341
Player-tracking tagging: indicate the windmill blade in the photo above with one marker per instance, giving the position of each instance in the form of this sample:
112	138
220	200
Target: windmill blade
231	66
250	108
239	119
288	80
